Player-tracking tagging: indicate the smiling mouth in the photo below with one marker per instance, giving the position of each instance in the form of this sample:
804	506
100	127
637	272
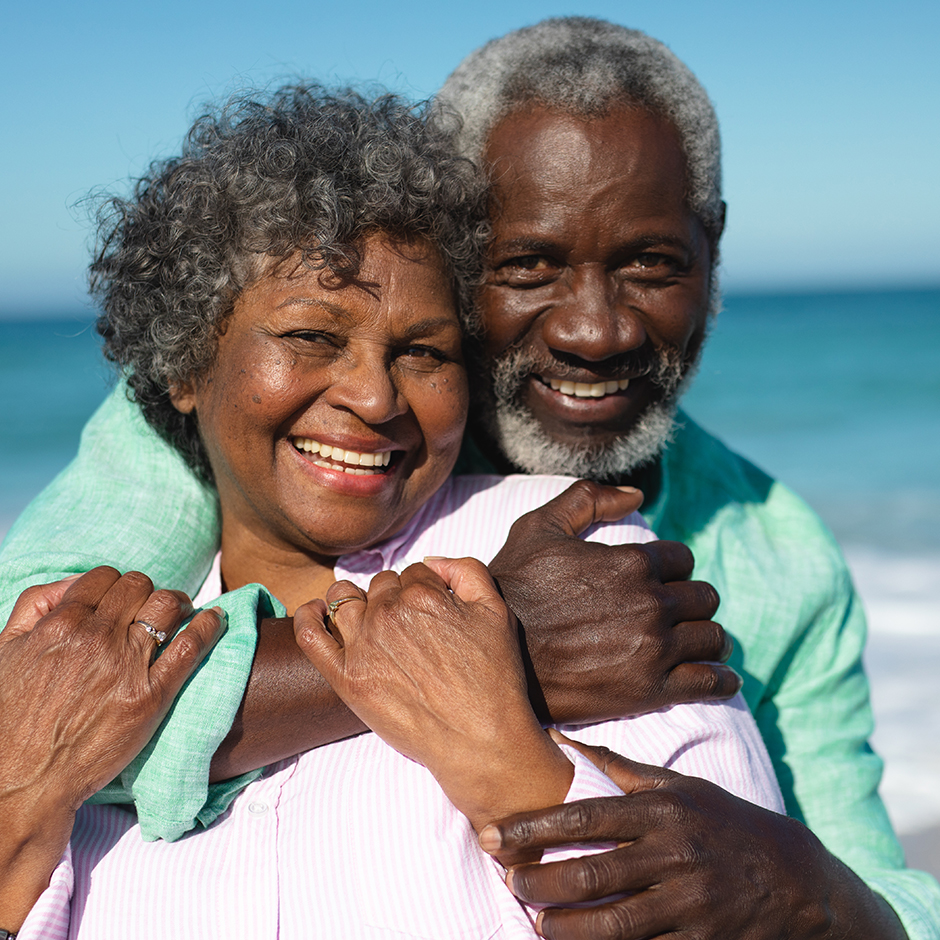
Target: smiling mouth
585	389
352	462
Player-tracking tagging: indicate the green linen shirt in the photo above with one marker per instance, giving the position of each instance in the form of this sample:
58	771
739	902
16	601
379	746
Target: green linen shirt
787	599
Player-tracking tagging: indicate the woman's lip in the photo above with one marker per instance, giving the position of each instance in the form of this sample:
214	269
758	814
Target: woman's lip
354	481
341	456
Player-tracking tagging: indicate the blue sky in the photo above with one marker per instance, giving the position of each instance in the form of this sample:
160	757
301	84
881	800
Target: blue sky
829	114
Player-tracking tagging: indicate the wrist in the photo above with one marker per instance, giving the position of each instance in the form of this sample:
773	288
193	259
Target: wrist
32	843
509	774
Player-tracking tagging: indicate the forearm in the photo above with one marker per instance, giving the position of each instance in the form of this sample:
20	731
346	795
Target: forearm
288	707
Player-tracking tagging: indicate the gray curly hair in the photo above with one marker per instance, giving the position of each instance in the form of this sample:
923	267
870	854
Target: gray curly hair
584	65
300	170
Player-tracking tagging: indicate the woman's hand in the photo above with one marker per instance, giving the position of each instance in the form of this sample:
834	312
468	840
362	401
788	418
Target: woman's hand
80	695
430	661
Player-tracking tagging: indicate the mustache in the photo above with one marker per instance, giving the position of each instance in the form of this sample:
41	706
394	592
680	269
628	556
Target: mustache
665	367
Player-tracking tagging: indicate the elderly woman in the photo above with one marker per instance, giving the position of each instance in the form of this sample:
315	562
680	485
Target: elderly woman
287	298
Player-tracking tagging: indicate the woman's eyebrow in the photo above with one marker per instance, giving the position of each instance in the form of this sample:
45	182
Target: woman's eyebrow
430	325
336	310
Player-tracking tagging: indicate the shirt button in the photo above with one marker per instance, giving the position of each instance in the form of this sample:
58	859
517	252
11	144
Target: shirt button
257	808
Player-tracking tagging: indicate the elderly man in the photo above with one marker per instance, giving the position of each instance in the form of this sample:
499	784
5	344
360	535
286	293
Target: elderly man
604	157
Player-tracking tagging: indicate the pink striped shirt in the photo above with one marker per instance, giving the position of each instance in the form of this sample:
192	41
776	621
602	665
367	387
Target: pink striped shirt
352	840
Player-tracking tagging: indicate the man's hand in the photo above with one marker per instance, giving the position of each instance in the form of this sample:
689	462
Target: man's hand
610	631
692	860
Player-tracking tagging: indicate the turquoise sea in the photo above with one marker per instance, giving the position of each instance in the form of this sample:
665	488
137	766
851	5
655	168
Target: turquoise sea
836	394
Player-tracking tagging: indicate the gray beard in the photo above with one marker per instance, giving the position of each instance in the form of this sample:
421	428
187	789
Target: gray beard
526	444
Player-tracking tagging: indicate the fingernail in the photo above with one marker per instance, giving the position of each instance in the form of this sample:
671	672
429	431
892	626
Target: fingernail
433	558
628	489
538	923
509	876
491	839
222	615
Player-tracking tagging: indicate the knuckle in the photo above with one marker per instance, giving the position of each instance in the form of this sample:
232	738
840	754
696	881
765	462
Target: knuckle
615	921
137	580
165	602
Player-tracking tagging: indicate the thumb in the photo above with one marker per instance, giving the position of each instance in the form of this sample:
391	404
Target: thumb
585	503
34	603
629	775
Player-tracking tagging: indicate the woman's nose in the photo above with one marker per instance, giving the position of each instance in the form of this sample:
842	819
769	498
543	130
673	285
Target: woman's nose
365	386
592	320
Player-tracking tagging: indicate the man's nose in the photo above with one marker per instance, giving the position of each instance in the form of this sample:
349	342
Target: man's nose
365	386
591	319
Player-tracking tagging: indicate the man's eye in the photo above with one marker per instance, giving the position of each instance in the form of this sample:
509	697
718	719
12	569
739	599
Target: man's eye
530	263
524	271
655	262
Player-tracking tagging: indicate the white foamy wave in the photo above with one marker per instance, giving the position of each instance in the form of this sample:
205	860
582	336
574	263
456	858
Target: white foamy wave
901	594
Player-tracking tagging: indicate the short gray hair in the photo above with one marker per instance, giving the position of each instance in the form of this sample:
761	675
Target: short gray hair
301	170
584	65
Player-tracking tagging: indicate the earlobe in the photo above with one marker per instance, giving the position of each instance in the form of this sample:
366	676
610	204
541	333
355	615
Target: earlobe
183	397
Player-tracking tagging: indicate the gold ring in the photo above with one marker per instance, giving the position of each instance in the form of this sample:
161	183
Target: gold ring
158	635
333	606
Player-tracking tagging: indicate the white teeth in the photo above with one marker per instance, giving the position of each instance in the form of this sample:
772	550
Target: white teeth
588	389
355	462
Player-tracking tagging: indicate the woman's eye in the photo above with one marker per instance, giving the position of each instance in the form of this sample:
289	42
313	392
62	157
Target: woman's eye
424	358
312	337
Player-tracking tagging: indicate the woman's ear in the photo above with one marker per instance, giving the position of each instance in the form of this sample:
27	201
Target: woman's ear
183	396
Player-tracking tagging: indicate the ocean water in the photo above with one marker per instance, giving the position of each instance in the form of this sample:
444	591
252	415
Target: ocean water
838	395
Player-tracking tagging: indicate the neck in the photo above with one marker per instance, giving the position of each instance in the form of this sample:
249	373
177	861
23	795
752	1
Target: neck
293	577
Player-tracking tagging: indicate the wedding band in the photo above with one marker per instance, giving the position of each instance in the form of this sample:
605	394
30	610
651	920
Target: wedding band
333	606
158	635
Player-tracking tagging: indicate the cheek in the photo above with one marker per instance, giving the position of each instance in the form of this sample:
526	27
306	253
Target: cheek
507	315
442	411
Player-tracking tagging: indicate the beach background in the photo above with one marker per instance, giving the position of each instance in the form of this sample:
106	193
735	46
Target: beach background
836	394
824	367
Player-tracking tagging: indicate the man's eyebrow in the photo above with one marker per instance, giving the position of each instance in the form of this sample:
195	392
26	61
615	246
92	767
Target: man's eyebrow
527	245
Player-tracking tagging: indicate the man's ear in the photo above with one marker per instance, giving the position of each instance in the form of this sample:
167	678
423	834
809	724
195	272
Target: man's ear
183	396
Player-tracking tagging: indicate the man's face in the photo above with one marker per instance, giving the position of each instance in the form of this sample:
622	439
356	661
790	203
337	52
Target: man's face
597	292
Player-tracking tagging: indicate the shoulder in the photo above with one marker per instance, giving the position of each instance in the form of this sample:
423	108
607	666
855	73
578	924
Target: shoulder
717	498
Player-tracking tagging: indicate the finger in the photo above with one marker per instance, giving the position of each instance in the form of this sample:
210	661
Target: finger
120	604
163	611
91	587
580	822
630	776
186	651
341	595
689	600
316	641
700	641
468	578
701	682
581	879
670	561
582	505
640	915
34	603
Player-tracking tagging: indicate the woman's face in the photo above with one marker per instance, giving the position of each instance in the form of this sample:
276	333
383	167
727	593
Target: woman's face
334	408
